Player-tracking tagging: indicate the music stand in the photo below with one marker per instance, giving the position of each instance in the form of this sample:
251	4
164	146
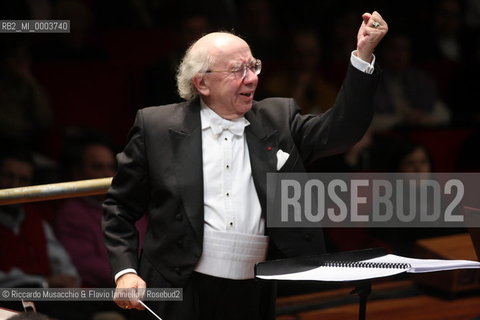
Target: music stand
362	289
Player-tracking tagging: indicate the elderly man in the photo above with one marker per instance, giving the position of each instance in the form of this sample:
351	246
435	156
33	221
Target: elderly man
199	169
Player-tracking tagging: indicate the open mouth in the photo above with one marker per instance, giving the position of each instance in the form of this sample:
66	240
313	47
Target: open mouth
246	94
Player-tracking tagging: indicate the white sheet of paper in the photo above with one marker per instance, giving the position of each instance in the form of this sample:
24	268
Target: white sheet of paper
327	273
335	274
428	265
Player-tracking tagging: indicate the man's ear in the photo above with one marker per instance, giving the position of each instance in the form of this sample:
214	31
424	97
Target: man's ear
201	83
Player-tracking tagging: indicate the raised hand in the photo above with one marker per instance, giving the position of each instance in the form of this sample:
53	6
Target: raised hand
372	30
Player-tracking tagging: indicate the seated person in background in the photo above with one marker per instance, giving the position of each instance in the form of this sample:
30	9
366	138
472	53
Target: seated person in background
408	157
406	96
78	222
404	156
31	255
303	79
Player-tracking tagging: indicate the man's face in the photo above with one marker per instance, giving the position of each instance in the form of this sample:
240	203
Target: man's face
416	162
15	173
98	162
227	94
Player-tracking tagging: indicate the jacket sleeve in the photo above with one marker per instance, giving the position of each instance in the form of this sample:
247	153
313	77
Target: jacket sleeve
341	126
126	201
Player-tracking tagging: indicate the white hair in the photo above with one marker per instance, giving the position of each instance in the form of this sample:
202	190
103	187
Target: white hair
197	60
194	62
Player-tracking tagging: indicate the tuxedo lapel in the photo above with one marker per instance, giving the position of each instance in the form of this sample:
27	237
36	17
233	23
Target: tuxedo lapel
186	142
262	147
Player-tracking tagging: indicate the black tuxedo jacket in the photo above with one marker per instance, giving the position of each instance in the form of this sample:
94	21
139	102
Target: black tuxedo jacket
160	172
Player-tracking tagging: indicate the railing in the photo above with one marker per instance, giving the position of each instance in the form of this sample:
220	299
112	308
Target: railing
55	191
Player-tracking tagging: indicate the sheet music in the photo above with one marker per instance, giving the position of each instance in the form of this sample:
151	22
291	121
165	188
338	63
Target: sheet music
428	265
336	274
399	264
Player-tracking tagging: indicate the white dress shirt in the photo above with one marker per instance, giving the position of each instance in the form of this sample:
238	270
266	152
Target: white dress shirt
233	239
230	199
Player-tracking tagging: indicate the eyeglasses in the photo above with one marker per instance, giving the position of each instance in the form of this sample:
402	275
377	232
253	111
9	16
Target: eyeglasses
240	73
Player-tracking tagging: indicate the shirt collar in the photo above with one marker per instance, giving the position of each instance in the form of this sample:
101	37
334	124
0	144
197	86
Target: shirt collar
210	119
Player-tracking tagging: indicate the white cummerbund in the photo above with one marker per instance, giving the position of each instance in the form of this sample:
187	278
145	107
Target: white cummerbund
231	255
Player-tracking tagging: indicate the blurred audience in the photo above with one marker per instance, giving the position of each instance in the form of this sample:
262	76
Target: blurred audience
406	96
258	25
408	157
444	37
77	45
367	155
340	43
31	254
160	83
25	114
404	156
78	221
364	156
303	78
446	46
